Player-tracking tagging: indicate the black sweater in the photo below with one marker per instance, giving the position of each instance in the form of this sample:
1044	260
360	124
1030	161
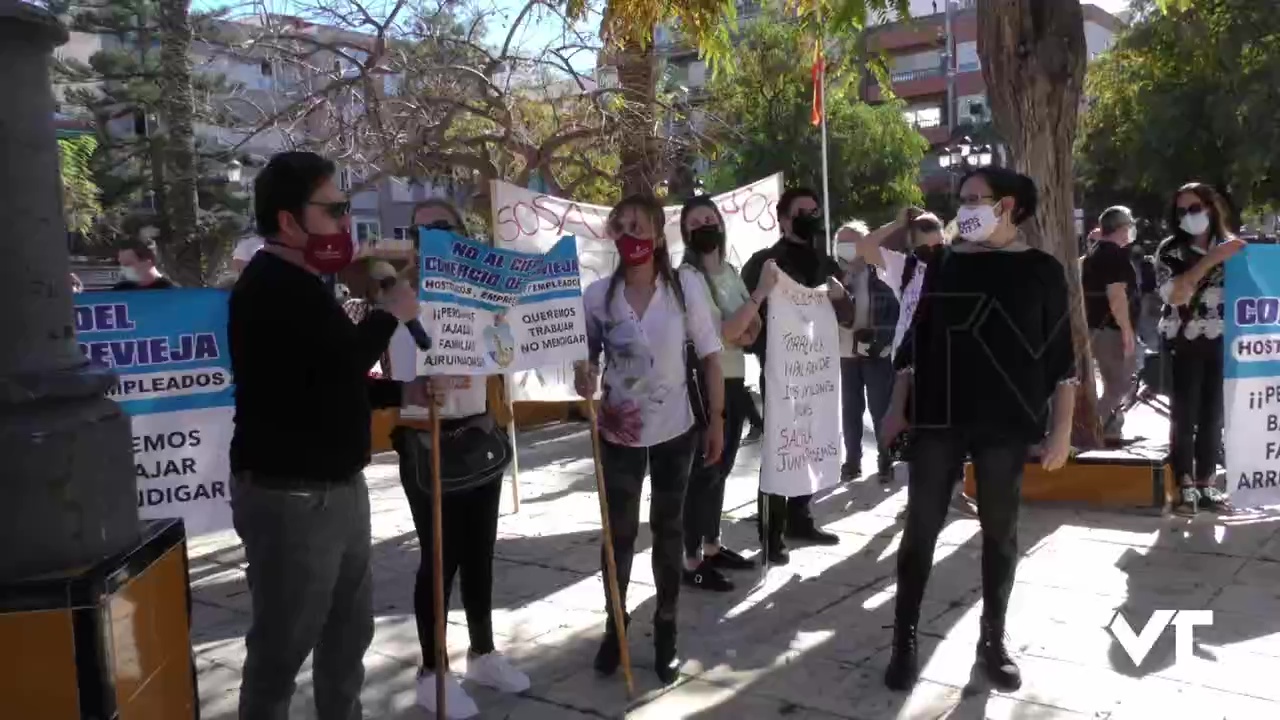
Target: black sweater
989	343
803	263
303	394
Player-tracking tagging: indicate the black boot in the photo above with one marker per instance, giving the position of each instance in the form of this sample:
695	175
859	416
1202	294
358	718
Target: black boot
904	663
665	662
609	656
994	658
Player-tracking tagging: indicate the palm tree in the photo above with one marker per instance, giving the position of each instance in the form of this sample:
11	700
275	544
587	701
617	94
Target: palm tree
628	29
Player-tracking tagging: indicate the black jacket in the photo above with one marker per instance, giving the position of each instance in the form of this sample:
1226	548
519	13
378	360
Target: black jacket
806	265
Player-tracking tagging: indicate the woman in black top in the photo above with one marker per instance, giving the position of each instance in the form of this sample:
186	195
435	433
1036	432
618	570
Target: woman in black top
1190	273
989	346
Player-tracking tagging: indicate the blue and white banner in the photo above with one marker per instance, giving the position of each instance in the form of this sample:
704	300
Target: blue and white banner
490	311
169	349
1252	376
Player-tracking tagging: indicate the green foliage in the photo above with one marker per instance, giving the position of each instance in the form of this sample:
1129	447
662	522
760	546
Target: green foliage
119	89
80	193
1188	94
762	118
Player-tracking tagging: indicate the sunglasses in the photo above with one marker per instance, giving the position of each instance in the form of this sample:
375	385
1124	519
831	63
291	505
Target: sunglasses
336	210
1190	210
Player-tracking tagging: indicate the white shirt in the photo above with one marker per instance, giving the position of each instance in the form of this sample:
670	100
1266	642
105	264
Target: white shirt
645	398
892	263
465	396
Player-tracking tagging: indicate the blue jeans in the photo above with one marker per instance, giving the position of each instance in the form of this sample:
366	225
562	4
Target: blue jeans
865	382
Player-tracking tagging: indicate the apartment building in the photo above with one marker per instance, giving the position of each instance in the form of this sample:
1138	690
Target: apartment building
918	58
261	86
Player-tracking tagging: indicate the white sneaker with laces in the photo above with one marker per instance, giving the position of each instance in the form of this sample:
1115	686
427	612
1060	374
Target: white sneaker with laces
495	671
458	704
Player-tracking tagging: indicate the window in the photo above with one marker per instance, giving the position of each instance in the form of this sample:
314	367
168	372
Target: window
400	233
367	231
401	190
923	117
265	68
967	57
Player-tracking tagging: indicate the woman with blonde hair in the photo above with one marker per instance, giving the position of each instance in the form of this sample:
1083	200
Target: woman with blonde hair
640	320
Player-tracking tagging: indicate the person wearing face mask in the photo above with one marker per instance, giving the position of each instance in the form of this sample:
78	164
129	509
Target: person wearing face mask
137	258
1190	274
640	319
801	253
301	439
989	351
901	251
1110	284
702	229
866	359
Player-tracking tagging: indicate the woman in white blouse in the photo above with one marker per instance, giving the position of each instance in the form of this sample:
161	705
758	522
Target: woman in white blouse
639	319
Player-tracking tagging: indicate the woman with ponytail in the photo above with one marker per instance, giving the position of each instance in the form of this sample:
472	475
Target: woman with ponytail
738	317
640	319
987	354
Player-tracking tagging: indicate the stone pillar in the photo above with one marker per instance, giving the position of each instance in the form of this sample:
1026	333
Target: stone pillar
67	490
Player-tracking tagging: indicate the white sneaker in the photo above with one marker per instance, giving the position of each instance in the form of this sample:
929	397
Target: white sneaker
495	671
458	704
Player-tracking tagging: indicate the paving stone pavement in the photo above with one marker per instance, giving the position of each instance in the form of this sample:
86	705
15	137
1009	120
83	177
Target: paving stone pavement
809	641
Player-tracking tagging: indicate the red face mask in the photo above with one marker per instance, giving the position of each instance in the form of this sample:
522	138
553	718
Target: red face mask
329	253
634	251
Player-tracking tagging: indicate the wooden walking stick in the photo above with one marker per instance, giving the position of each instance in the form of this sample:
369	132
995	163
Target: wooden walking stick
437	561
610	564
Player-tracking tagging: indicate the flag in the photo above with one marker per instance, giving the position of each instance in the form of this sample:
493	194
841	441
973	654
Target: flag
819	71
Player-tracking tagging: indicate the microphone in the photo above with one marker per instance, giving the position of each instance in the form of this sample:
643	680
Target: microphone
420	337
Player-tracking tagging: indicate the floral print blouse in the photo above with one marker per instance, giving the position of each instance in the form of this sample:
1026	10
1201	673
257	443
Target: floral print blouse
645	399
1202	316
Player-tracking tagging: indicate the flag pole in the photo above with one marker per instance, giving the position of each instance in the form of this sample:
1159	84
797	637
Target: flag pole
822	93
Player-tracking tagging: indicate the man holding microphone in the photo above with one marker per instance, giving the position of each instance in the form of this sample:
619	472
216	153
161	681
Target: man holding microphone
302	439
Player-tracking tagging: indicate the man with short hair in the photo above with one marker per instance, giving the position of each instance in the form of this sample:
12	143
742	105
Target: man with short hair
137	258
1110	285
301	441
802	254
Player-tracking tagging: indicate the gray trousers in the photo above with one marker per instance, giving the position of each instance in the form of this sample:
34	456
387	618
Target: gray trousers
1117	377
308	570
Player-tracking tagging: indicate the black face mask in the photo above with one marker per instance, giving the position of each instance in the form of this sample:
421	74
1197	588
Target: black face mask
806	227
706	239
927	253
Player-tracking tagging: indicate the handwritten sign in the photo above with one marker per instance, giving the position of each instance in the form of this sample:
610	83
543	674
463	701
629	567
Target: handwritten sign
533	222
1252	376
488	310
801	451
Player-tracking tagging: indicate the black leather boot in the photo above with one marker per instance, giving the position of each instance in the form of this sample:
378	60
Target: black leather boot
609	656
994	658
904	662
665	662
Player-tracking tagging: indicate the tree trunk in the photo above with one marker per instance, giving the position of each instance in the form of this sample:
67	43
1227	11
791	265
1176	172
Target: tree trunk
637	76
1033	61
181	248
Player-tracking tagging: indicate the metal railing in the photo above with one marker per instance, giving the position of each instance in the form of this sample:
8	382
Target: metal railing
910	75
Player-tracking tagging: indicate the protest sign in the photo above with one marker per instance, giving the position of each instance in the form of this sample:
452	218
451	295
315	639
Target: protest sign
1252	376
530	221
489	310
801	449
169	350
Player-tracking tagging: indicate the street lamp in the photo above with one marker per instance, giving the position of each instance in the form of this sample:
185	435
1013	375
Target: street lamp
965	156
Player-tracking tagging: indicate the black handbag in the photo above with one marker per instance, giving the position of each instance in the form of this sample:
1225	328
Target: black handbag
473	451
695	378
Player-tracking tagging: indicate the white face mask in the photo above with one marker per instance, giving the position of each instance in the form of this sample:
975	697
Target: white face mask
846	252
976	224
1133	233
130	273
1195	223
